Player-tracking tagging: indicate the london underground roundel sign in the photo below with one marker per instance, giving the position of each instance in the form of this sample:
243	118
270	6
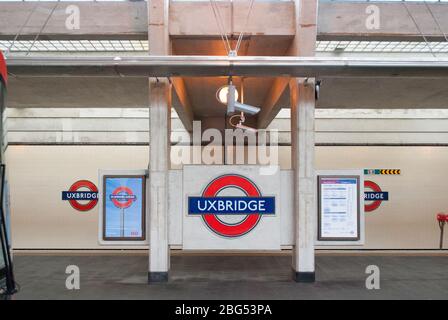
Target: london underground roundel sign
249	208
79	198
122	197
375	197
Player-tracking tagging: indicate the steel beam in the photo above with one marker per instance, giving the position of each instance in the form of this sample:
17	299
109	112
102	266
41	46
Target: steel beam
213	66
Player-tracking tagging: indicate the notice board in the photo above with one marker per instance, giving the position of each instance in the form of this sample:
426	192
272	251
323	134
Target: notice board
340	216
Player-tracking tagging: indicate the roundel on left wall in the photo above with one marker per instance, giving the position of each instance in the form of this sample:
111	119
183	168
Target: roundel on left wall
82	195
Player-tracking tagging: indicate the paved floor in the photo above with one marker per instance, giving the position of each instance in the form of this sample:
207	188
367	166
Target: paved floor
232	277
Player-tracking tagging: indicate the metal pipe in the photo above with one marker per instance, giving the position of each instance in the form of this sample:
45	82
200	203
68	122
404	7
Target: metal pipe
213	66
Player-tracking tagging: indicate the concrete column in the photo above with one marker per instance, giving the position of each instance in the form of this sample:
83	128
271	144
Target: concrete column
302	152
159	137
159	162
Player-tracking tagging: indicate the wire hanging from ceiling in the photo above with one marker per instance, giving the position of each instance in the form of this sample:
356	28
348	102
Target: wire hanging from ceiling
43	27
234	52
220	24
28	18
418	28
223	34
436	21
240	37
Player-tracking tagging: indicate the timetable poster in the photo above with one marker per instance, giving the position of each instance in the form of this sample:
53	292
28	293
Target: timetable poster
123	201
339	217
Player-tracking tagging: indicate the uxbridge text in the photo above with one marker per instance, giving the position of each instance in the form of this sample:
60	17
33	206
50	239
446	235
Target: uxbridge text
231	205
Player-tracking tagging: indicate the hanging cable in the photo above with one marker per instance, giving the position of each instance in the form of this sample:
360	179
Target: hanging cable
22	27
418	28
234	117
220	24
43	27
221	28
242	90
436	21
240	37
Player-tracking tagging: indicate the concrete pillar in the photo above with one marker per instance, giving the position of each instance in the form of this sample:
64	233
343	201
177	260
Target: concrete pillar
159	162
158	27
159	137
302	152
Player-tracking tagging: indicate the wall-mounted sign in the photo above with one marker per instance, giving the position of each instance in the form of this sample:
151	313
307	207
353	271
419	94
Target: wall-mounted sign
340	207
339	213
375	197
82	195
382	171
123	208
231	216
230	207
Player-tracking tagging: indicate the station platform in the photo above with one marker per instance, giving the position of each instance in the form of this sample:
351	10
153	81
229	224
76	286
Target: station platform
416	275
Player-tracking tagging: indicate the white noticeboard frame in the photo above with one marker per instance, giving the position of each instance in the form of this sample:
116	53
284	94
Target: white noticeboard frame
340	208
121	173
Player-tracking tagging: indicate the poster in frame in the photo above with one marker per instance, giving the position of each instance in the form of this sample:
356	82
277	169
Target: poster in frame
340	204
123	207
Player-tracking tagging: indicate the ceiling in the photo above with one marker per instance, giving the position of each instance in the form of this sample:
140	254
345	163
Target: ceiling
133	92
202	91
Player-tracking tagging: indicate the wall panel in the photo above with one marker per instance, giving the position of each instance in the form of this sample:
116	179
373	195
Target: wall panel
40	220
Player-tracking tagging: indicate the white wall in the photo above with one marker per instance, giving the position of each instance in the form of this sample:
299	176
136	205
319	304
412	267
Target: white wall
131	125
408	219
49	149
40	220
38	175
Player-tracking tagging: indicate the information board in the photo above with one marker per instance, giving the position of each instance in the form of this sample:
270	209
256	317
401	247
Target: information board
339	214
123	208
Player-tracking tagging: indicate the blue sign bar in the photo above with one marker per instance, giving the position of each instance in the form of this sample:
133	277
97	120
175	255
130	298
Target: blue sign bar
79	195
231	205
373	196
122	197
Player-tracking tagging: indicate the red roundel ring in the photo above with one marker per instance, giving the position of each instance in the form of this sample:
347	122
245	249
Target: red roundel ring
376	188
83	184
127	203
246	225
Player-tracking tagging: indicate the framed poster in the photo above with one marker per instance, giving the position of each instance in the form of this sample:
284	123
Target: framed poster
340	215
123	208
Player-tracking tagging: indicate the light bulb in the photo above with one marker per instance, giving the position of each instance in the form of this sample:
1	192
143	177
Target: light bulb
222	92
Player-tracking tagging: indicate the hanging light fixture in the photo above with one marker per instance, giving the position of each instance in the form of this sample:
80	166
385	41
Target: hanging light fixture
222	93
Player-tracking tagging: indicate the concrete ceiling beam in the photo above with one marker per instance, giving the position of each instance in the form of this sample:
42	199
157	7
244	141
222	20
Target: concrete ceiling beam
303	44
73	20
184	108
271	107
192	19
375	21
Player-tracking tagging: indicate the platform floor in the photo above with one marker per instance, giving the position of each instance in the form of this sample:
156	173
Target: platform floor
232	277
